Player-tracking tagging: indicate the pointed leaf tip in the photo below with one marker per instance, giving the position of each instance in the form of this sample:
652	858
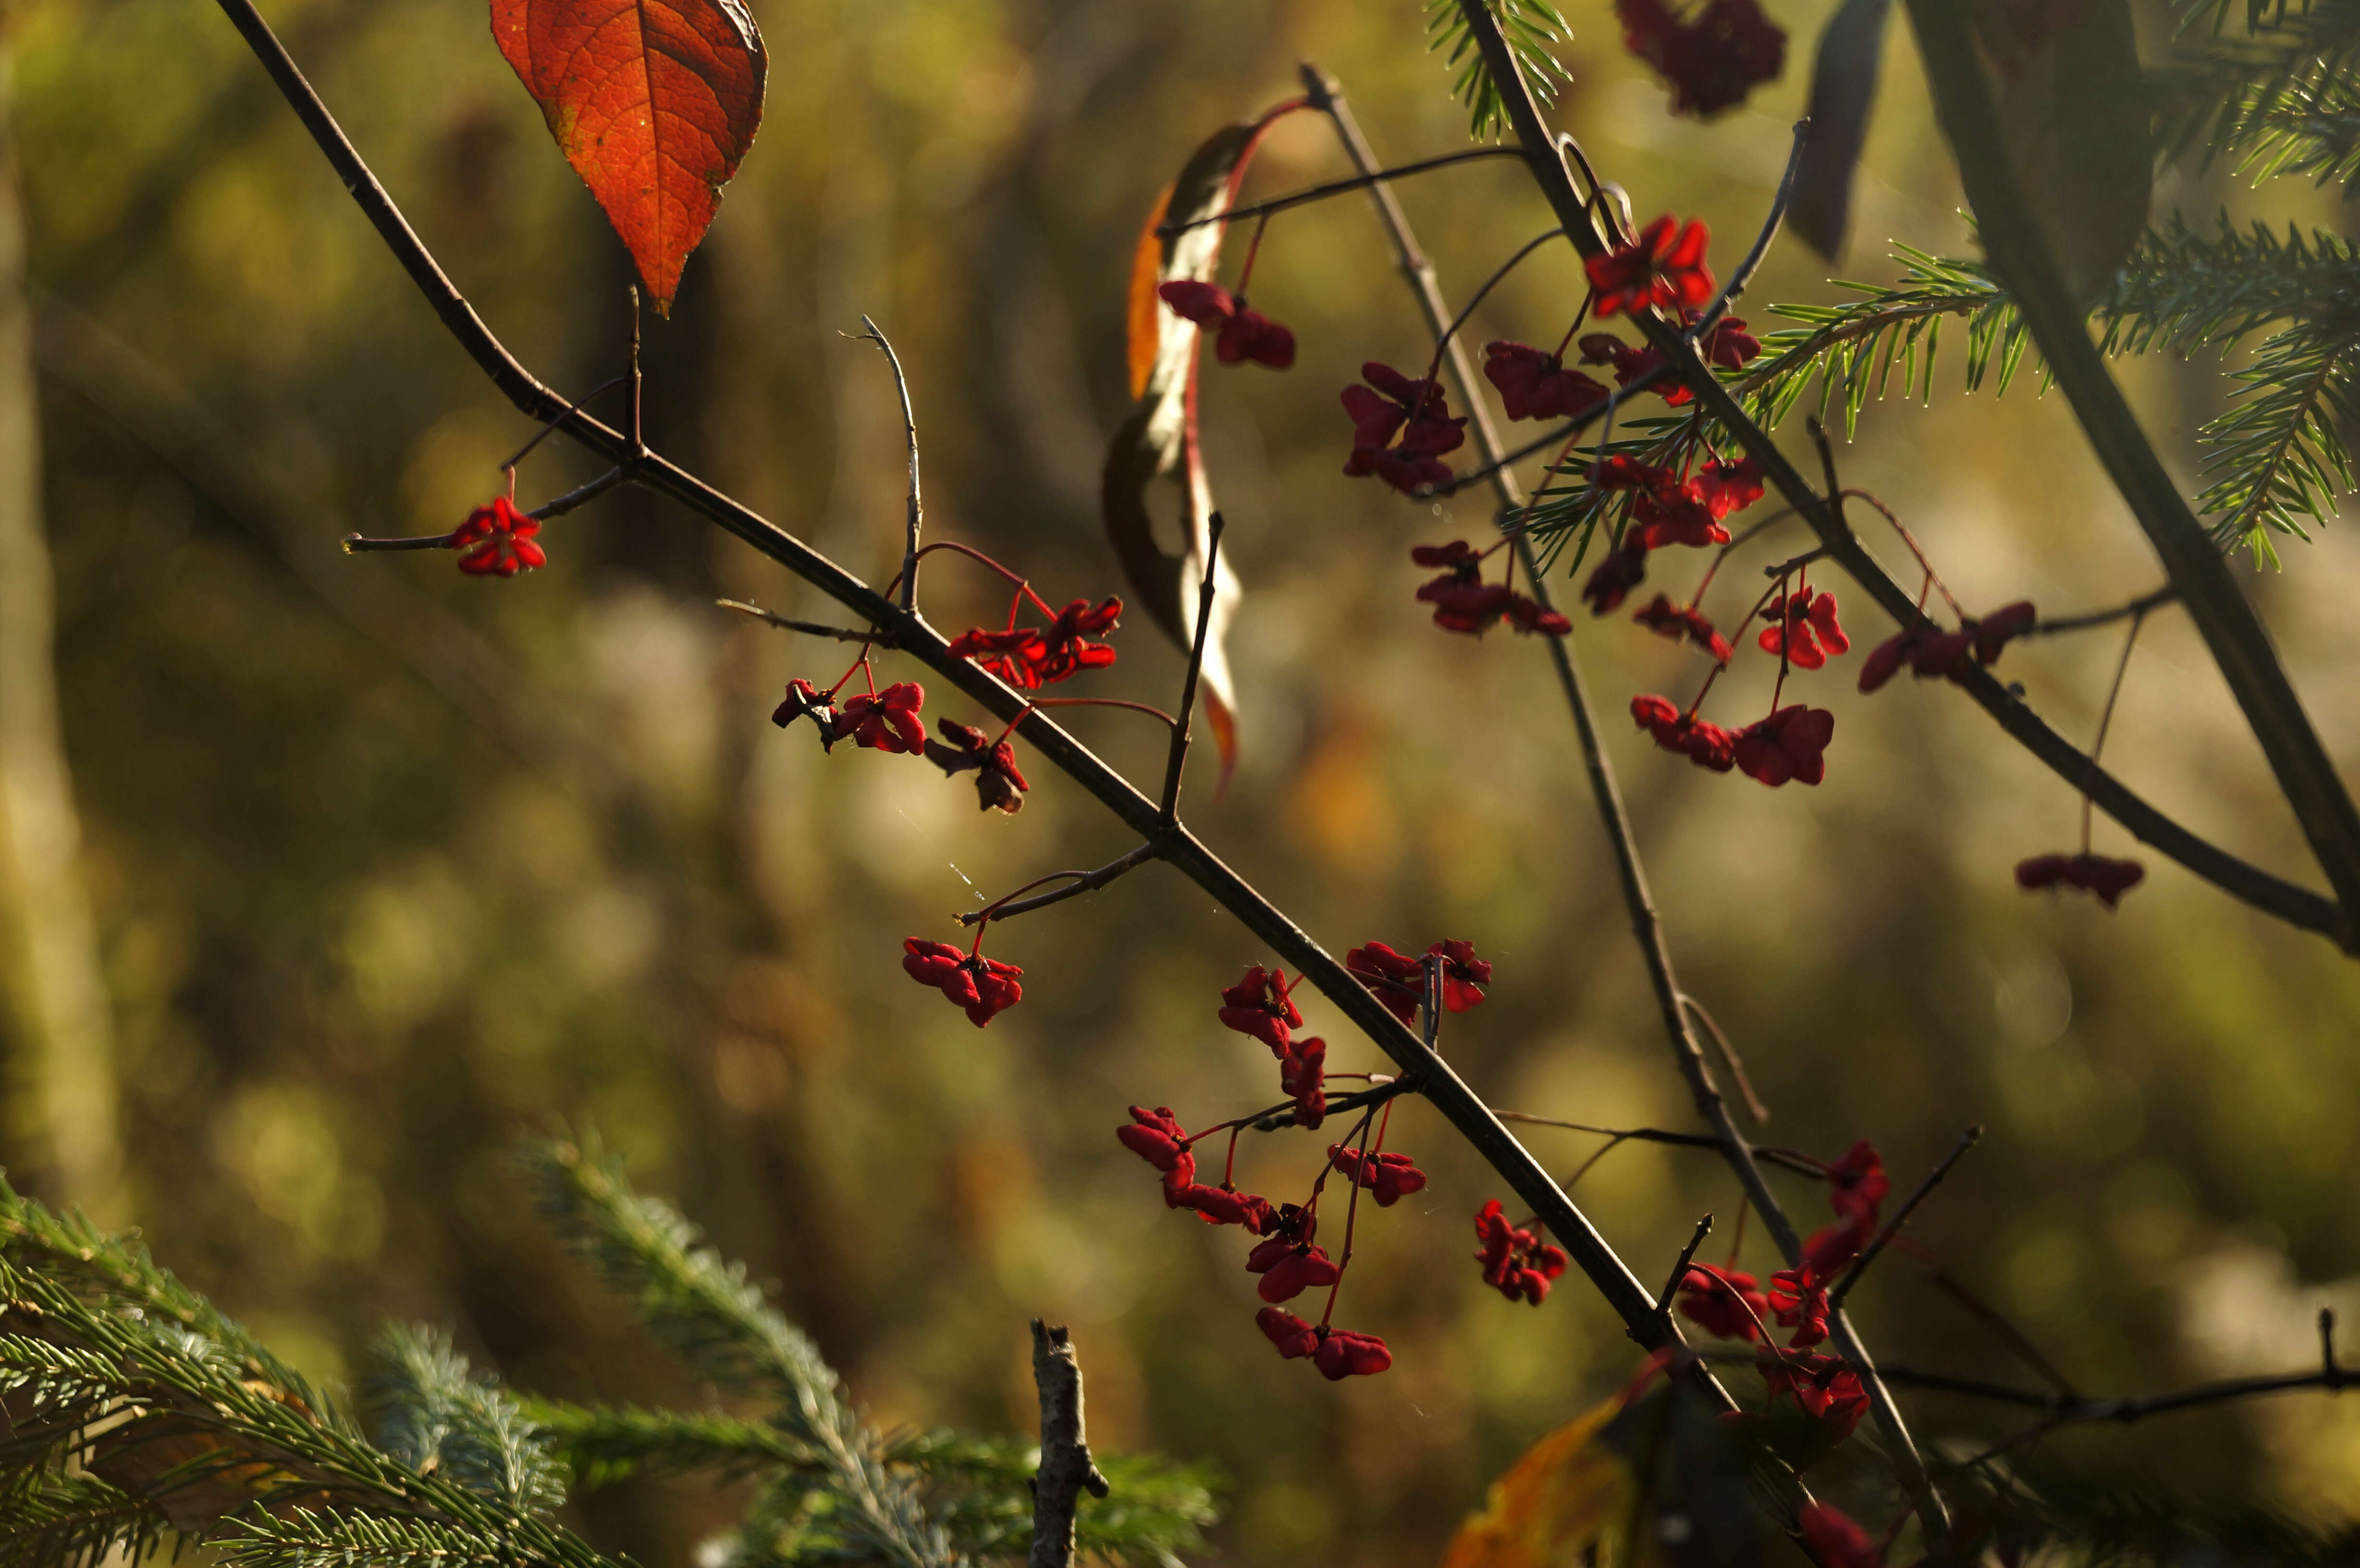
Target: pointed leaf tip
654	103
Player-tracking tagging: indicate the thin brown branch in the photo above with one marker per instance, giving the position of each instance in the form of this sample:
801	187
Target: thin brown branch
1289	942
1736	1064
1681	1269
910	428
1177	762
1734	289
2136	607
581	494
1066	1470
1336	188
1892	1228
809	629
1083	882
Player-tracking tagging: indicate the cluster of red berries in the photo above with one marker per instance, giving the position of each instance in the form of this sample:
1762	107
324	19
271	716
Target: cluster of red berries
1731	1304
1239	334
497	541
1713	60
889	721
1289	1258
1463	602
1029	657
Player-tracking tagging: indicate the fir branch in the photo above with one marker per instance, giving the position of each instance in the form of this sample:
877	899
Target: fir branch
75	1521
603	1444
707	1313
1530	27
440	1420
334	1540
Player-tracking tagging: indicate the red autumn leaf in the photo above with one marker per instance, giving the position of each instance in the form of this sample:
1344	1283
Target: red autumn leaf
654	102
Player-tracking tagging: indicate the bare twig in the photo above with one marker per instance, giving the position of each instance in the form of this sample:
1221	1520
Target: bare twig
1450	1095
1681	1269
1736	1064
1065	1466
1734	289
1336	188
1178	760
910	427
1892	1228
581	494
809	629
2138	606
1083	882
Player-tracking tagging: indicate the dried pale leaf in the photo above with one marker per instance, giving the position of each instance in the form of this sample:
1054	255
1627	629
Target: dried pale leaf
654	103
1158	441
1844	90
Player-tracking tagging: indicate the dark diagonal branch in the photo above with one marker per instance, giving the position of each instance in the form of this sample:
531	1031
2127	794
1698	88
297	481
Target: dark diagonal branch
1739	281
809	629
1681	1269
1066	1470
1548	171
2233	633
1448	1094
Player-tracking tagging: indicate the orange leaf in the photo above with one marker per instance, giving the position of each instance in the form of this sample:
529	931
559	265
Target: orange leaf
654	102
1570	1492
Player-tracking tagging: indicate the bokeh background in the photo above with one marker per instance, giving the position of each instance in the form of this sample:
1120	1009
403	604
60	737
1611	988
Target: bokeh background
379	869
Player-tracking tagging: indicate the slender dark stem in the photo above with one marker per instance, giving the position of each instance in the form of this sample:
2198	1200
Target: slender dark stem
581	494
2327	1340
1734	289
1178	760
1753	1106
910	428
1548	171
1892	1228
809	629
2138	606
1066	1469
1681	1269
1450	333
1150	709
1083	882
2106	718
636	432
363	544
2067	1411
550	425
1336	188
1992	1318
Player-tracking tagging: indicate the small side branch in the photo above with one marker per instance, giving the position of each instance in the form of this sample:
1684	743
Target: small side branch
1868	1254
2136	609
1066	1465
1681	1269
1734	289
1180	732
1083	882
1337	188
910	428
809	629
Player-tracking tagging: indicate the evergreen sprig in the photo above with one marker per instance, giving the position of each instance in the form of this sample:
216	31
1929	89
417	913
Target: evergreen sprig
138	1412
705	1309
440	1419
1530	27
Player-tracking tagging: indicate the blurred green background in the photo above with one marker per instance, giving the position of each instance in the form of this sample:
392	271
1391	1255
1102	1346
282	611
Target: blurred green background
383	867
